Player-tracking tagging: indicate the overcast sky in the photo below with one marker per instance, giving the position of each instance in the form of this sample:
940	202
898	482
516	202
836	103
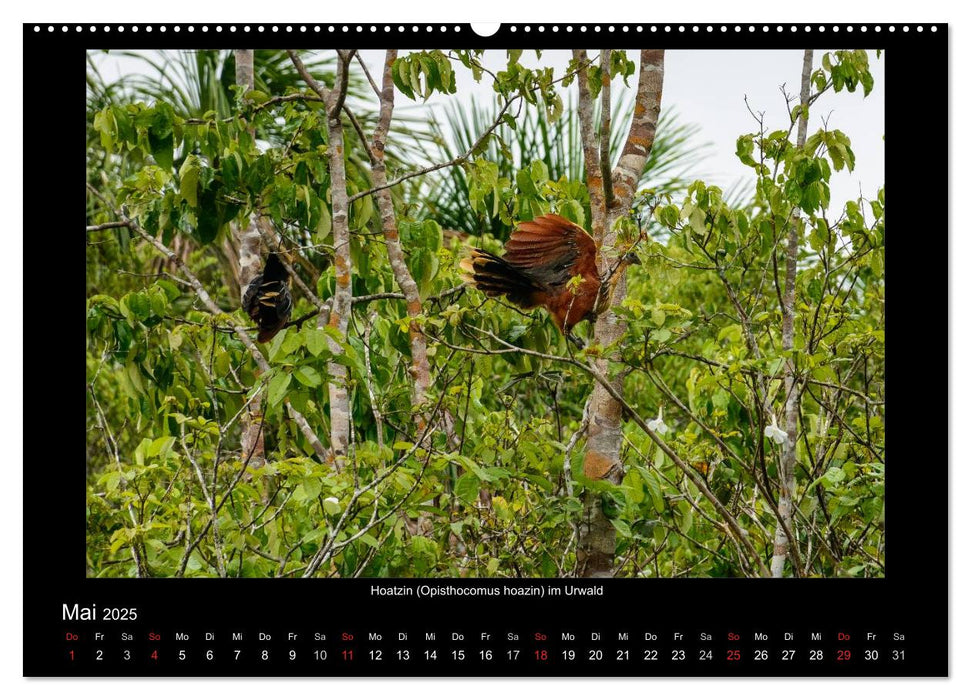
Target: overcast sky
708	88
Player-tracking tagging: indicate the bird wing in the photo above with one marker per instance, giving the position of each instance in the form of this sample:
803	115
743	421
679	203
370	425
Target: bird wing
553	249
250	304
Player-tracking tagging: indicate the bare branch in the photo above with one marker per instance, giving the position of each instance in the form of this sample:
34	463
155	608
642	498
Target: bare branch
321	91
105	226
339	93
605	128
591	158
367	73
458	160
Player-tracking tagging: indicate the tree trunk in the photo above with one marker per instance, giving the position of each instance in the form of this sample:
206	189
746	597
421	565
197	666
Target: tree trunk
787	471
419	369
340	310
601	460
250	261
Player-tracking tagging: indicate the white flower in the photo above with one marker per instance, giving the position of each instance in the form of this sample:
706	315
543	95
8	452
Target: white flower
775	433
658	425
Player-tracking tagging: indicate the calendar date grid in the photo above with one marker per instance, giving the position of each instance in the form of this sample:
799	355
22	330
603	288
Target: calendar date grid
343	651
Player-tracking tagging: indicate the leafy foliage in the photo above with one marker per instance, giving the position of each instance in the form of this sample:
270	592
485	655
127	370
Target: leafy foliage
532	137
170	492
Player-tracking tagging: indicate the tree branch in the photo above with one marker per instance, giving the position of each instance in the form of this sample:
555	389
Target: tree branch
591	157
207	301
605	128
458	160
784	545
734	528
640	137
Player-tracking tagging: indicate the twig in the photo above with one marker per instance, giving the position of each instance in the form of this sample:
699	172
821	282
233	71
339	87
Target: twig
608	186
375	409
105	226
367	73
458	160
736	530
581	429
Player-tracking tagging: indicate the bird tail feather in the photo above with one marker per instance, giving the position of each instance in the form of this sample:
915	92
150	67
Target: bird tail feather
494	276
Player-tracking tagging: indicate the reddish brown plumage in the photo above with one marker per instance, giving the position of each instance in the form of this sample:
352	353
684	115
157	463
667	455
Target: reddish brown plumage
542	257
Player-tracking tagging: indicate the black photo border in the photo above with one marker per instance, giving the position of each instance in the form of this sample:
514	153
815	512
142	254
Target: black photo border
912	598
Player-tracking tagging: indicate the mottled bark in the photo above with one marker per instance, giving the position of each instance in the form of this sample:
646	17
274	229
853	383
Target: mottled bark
787	471
250	258
605	173
640	138
339	313
244	68
419	369
604	434
251	422
591	157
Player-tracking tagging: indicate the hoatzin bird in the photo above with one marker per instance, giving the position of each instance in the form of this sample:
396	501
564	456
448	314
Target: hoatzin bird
541	258
267	299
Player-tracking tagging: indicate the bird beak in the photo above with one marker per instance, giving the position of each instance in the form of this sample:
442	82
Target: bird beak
632	259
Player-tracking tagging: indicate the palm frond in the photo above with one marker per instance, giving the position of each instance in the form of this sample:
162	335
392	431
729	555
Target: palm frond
675	159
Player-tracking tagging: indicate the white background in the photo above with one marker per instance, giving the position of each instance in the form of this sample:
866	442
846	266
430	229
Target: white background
954	256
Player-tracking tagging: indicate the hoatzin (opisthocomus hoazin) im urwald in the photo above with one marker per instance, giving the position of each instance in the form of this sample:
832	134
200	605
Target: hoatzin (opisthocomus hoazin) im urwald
267	299
541	258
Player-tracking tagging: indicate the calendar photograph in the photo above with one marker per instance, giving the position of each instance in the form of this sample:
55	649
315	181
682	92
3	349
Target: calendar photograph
485	313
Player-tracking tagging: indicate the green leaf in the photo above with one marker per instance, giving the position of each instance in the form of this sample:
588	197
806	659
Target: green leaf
160	447
331	507
139	305
324	225
400	75
308	376
208	215
315	341
525	182
277	390
467	488
189	182
622	528
161	137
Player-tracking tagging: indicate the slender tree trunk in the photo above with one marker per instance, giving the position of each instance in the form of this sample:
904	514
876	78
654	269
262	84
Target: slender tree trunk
249	261
604	432
419	369
340	310
787	472
591	154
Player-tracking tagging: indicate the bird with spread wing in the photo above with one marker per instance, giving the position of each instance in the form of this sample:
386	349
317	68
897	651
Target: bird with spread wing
549	262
